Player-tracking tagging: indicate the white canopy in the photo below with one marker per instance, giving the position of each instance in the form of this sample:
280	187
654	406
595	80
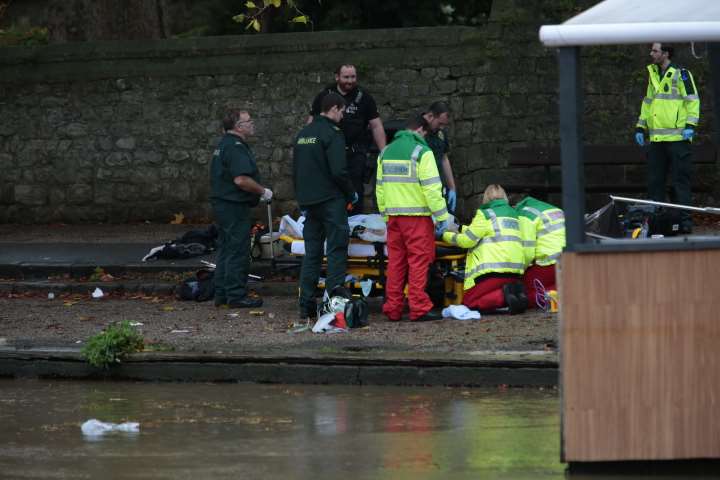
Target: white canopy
613	22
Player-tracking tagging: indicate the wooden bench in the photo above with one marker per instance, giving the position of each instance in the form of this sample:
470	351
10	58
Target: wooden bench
600	155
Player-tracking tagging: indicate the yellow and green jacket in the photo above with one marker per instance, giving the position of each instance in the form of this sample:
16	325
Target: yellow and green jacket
542	228
408	183
670	104
494	241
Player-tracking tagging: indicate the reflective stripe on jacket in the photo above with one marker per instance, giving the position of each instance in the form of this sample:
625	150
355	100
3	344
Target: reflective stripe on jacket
670	104
542	227
408	183
494	241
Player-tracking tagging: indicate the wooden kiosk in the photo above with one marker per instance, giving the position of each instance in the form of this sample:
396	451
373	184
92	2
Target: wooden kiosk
639	319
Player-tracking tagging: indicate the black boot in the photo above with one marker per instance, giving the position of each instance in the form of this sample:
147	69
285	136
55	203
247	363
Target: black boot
522	296
511	300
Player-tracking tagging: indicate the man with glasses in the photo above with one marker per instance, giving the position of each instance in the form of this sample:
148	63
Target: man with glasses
234	189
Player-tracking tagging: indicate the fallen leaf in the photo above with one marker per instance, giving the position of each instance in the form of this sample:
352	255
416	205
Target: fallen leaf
69	303
179	218
168	308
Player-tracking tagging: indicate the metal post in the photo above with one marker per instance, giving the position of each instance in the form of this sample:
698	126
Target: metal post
571	149
714	57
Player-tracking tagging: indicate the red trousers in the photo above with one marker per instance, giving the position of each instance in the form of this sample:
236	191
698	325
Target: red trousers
546	276
411	250
487	293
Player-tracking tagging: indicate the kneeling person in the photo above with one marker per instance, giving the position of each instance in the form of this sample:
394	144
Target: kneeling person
495	261
542	227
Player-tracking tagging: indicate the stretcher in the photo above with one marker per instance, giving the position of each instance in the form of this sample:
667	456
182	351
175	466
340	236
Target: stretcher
368	261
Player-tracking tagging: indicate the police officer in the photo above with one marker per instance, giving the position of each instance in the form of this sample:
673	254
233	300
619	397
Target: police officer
323	190
669	115
542	228
438	116
235	189
408	193
360	113
495	261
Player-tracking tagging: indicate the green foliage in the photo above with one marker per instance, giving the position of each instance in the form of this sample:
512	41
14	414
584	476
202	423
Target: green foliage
96	275
111	345
27	37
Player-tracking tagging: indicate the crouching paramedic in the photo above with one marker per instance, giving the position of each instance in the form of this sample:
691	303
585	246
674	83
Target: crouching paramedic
542	227
495	260
409	195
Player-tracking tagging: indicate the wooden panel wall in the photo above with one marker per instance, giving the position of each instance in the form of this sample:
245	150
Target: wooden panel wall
640	355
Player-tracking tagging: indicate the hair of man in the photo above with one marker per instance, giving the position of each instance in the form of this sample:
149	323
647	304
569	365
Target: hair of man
344	65
494	192
667	48
438	108
232	117
417	121
331	100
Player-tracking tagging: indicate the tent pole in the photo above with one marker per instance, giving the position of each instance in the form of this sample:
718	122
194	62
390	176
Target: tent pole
571	149
714	57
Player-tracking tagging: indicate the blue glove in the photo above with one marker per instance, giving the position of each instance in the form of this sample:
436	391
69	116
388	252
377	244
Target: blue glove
355	198
640	138
688	133
440	227
452	200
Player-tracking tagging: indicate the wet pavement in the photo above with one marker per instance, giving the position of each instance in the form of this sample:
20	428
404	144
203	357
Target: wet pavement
217	431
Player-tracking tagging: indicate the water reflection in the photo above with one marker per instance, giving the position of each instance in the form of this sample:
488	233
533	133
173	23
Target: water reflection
253	431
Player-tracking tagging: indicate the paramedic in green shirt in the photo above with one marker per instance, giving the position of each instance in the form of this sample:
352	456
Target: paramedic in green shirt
324	191
234	189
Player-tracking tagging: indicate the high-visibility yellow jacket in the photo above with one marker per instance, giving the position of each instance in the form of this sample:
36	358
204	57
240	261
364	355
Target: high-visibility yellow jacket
408	183
494	241
542	227
670	104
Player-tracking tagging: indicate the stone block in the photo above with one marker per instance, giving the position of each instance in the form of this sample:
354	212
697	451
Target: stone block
143	158
79	194
178	156
125	143
74	130
30	195
118	159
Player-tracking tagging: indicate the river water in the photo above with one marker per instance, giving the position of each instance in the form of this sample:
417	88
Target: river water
218	431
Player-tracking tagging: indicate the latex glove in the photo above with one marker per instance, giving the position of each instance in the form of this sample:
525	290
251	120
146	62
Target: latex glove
640	138
440	228
688	133
355	198
451	200
266	195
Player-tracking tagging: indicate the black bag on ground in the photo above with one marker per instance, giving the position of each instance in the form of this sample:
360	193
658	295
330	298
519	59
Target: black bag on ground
356	313
200	287
191	244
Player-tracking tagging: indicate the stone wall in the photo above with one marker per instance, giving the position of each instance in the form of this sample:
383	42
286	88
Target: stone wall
119	132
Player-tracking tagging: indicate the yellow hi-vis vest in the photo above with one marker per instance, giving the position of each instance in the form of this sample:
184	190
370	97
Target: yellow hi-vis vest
494	241
542	227
670	104
408	183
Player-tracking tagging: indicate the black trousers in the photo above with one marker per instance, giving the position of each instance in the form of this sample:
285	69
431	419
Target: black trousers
356	168
324	221
676	157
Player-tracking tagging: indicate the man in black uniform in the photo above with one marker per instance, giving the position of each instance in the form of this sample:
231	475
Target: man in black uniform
438	116
234	190
360	113
323	190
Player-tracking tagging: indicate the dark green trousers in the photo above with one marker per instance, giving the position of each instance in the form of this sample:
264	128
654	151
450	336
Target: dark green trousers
233	254
324	221
676	157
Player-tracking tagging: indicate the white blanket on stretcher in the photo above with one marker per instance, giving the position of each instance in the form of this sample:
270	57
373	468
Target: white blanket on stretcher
374	227
297	247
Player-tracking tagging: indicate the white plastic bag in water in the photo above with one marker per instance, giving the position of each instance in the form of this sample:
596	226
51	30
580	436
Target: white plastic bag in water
96	428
